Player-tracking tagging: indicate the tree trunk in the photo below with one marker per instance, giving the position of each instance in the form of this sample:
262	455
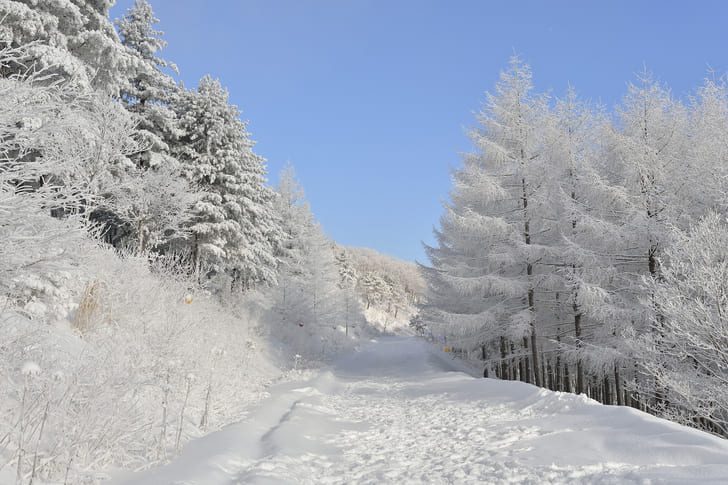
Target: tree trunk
162	449
140	239
196	258
485	359
618	386
526	377
529	274
503	364
579	364
567	379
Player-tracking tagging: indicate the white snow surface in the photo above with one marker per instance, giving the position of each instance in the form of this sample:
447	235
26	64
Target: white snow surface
399	411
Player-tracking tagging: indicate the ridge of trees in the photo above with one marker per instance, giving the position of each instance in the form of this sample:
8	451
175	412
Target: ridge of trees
385	282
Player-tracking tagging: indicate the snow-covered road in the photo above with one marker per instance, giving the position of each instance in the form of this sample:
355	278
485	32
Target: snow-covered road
397	412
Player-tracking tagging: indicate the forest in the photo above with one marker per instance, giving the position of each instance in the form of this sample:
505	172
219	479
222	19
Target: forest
583	249
153	283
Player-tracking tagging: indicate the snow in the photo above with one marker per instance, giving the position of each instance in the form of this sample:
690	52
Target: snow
30	368
399	411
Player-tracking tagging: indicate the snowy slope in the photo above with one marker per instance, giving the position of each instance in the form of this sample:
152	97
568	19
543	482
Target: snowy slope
399	412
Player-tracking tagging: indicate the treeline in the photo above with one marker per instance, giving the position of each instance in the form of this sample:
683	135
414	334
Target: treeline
584	252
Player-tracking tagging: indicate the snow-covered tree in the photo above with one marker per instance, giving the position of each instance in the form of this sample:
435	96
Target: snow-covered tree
155	204
649	148
689	360
588	316
150	89
708	147
73	38
492	232
389	284
233	226
62	150
311	302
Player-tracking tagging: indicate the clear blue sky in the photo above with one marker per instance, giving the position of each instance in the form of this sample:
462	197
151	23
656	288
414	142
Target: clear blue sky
368	99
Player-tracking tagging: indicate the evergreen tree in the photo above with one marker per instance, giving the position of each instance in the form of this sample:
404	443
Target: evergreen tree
233	226
150	90
72	38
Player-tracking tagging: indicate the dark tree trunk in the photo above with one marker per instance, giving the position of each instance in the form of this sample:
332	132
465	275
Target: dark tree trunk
526	377
579	364
504	365
567	379
618	386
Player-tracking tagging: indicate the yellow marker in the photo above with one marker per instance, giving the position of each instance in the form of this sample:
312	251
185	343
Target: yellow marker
188	298
447	349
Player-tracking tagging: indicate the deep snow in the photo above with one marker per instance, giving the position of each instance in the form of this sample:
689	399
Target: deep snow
398	411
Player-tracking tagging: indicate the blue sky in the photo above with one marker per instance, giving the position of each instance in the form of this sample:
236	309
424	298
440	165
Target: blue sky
370	99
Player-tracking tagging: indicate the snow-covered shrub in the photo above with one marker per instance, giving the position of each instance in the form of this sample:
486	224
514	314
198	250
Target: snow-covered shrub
124	396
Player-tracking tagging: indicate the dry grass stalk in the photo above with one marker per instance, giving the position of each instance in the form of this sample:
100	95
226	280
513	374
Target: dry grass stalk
89	310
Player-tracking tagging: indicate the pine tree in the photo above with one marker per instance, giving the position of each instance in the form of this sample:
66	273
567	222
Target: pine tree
233	226
72	38
150	90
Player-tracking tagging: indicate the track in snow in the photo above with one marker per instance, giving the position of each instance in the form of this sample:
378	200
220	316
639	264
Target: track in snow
397	412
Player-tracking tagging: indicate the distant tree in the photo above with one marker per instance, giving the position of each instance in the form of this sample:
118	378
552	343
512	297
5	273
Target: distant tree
347	269
312	300
375	288
348	280
401	286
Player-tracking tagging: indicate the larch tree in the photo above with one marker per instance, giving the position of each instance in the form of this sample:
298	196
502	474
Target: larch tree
708	148
690	359
492	232
649	148
589	235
